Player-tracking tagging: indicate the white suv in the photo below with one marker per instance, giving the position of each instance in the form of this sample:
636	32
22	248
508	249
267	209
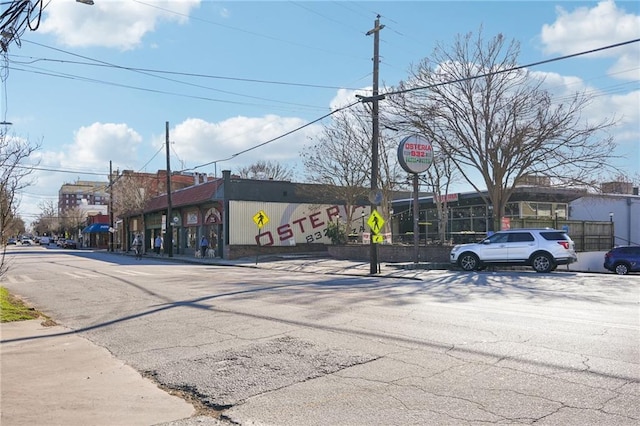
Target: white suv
542	249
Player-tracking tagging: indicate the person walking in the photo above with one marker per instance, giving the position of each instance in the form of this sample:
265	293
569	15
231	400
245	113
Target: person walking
157	244
137	246
204	245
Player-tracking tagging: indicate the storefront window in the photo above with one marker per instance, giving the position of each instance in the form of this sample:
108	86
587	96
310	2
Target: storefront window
479	211
192	237
544	210
561	211
512	210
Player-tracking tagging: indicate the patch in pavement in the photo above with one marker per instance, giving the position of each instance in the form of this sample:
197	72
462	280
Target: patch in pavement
230	377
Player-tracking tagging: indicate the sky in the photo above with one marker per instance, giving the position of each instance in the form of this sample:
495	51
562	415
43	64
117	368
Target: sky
97	84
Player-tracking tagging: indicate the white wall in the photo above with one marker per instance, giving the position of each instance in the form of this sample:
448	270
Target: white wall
625	209
590	261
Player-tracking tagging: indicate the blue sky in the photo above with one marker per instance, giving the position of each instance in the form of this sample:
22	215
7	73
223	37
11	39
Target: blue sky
97	83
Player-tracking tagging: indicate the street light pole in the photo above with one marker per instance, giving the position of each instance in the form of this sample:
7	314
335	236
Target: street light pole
111	230
613	235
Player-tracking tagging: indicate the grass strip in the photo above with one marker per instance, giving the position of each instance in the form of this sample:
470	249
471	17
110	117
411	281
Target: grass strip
13	309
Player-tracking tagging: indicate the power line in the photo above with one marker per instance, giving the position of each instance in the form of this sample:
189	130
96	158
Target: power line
268	37
274	139
507	70
180	73
47	169
105	82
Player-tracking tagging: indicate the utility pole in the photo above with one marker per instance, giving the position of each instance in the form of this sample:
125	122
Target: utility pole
111	229
373	196
168	238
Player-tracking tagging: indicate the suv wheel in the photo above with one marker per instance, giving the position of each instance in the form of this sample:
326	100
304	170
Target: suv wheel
469	261
542	262
621	268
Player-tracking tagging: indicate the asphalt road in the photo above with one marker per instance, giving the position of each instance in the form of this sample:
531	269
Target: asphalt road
273	347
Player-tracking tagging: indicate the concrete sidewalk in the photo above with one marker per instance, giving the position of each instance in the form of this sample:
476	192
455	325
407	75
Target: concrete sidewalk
51	376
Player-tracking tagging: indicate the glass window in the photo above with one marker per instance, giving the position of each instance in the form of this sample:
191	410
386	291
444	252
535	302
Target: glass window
460	212
561	211
528	209
479	211
192	236
498	238
544	210
517	237
554	236
512	210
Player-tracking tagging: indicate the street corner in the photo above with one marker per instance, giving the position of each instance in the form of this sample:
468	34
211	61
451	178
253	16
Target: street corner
39	361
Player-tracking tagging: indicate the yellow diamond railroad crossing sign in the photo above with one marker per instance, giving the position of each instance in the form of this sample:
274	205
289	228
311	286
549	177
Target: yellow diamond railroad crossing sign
375	222
261	219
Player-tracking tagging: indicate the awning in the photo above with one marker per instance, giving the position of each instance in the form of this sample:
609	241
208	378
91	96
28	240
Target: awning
96	228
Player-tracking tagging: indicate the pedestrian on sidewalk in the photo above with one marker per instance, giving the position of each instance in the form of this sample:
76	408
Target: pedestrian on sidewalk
204	245
137	246
157	244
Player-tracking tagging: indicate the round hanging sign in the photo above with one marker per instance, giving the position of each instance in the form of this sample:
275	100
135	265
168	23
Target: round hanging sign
415	154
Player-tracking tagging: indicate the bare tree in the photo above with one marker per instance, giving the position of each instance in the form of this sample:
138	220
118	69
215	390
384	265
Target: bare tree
13	178
48	221
340	160
496	120
131	193
73	219
264	170
13	175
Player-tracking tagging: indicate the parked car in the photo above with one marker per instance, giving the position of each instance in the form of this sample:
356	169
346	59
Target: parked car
25	242
12	241
623	259
542	249
69	244
44	241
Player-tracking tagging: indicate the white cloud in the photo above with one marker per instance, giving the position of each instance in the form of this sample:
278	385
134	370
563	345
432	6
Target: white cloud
196	141
117	24
98	143
346	97
587	28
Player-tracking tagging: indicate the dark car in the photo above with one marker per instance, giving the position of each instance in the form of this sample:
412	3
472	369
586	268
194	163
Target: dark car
69	244
623	259
12	241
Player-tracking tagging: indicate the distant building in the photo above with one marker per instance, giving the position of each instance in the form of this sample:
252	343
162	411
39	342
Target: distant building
83	194
622	210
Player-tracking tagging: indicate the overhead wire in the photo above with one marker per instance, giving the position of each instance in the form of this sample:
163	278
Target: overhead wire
196	18
276	138
165	78
180	73
511	69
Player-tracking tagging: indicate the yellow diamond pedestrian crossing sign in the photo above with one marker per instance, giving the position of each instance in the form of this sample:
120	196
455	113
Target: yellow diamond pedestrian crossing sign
375	222
261	219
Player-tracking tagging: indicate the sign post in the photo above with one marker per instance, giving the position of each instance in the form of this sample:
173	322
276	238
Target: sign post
415	155
260	219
